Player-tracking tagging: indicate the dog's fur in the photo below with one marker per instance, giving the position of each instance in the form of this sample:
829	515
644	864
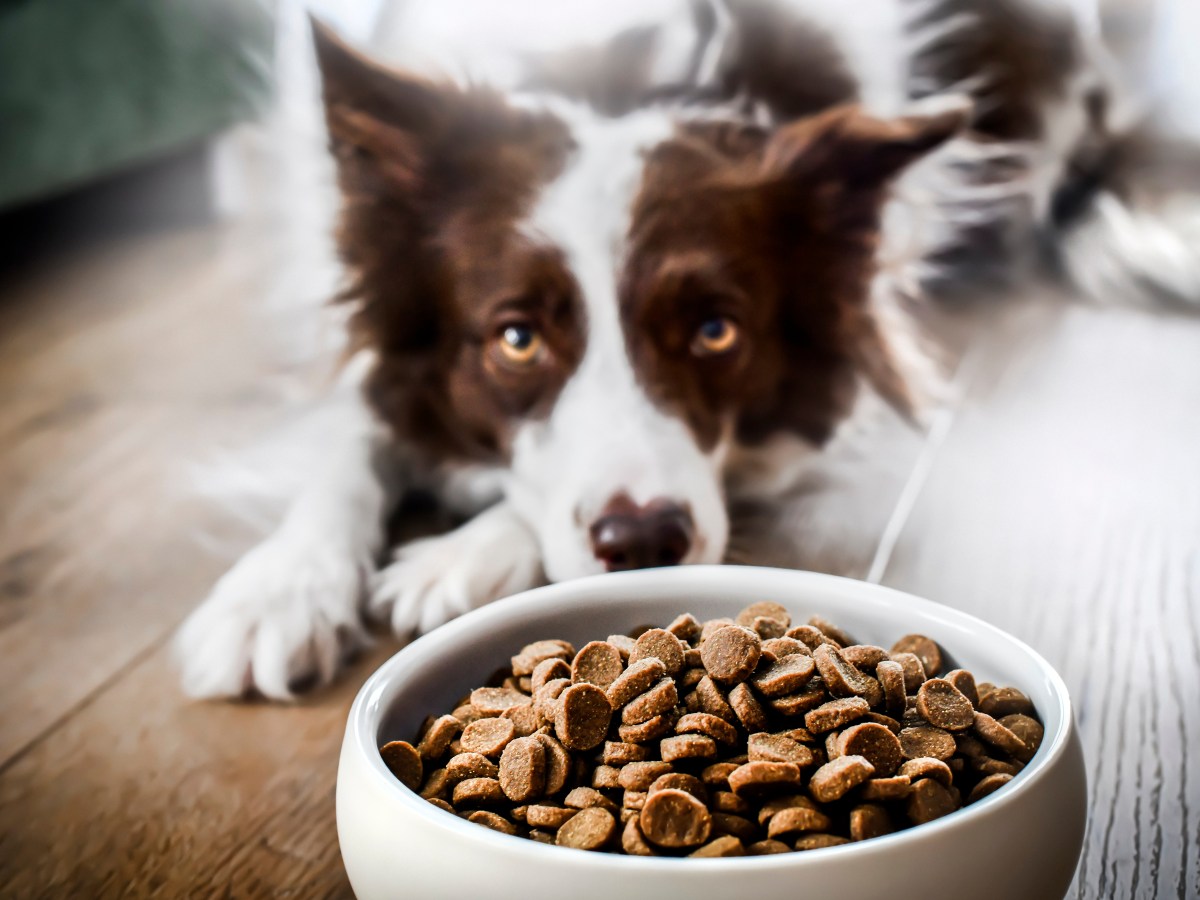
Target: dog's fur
712	168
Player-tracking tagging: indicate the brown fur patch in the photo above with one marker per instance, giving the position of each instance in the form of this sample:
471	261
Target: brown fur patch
434	179
778	233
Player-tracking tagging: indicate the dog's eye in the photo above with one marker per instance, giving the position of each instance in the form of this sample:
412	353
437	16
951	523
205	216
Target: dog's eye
520	344
715	336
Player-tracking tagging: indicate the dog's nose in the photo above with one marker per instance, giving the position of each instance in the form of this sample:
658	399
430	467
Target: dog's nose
632	537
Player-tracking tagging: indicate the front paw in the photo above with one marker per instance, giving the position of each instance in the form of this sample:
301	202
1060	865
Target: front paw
435	579
287	613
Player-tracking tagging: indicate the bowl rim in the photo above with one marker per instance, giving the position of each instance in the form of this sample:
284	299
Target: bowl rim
363	722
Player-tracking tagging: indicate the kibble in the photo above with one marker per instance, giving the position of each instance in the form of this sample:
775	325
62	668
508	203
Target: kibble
740	736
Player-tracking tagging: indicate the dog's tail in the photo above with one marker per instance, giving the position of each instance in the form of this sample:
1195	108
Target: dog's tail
1126	228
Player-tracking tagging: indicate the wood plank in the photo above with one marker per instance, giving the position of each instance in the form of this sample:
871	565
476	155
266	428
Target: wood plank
1065	508
142	794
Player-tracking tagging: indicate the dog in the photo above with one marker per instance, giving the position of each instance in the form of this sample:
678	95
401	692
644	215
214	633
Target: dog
606	290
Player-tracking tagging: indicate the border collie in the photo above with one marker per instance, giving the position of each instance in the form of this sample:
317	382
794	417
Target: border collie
606	289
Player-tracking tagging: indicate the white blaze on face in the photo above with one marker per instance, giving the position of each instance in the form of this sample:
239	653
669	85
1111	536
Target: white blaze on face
604	436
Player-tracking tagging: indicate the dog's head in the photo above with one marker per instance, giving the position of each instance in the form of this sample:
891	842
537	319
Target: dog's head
609	306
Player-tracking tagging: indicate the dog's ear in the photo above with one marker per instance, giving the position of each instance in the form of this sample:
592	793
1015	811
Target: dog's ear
851	150
380	121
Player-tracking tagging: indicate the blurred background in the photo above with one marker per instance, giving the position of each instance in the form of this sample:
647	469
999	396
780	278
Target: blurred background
165	205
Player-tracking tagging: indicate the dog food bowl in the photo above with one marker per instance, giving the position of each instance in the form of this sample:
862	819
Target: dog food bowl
1022	841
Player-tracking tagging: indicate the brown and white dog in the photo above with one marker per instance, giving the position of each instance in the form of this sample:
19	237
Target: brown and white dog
610	287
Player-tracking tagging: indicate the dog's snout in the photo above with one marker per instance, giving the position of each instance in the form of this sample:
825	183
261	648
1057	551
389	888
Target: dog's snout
642	537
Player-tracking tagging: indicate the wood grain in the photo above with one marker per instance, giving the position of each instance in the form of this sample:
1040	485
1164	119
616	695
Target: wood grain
1065	507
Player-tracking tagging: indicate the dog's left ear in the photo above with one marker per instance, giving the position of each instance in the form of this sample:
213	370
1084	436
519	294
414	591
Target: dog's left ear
849	147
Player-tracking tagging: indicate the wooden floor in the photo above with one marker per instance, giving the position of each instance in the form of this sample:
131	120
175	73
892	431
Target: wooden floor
1059	499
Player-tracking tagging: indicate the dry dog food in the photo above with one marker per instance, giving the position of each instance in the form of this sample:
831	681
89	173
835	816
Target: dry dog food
732	737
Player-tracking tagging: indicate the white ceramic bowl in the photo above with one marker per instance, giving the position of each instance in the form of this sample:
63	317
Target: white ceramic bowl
1021	842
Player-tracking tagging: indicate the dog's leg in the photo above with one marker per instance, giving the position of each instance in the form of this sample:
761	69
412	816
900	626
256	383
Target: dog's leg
435	579
290	610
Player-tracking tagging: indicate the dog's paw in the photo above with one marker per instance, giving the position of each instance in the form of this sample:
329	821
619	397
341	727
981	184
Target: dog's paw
286	614
435	579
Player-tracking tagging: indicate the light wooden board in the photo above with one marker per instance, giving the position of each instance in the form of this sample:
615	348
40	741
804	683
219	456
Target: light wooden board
1065	507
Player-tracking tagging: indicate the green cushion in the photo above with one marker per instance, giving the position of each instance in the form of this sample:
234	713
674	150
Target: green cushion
88	87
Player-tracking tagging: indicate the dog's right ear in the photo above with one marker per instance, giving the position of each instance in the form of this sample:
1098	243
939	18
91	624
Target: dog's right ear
382	123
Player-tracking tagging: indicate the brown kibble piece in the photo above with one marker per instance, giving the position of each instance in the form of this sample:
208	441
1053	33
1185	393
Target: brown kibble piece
605	777
588	829
844	680
894	788
637	679
747	708
929	800
965	682
868	821
925	740
928	767
802	703
875	743
660	698
617	753
488	736
776	748
836	714
785	646
924	649
679	781
784	676
725	845
834	779
1029	730
583	797
531	655
820	841
766	848
998	736
583	717
470	765
478	792
597	663
707	724
633	841
713	701
650	730
523	769
686	627
639	776
493	701
778	804
864	657
717	775
729	802
437	784
914	671
550	817
687	746
731	654
558	763
441	804
796	819
764	609
987	786
943	705
759	778
660	644
524	718
1005	701
831	631
403	761
811	637
493	821
437	738
891	678
548	670
675	819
